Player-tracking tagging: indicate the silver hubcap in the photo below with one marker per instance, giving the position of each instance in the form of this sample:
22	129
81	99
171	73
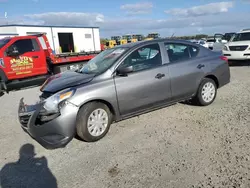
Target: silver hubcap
97	122
208	92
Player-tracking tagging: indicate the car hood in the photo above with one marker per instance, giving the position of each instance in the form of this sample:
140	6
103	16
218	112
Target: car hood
64	80
238	43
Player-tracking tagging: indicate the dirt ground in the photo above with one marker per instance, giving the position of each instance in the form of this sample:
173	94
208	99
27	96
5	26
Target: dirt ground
178	146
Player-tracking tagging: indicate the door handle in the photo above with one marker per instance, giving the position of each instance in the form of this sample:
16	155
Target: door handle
200	66
159	76
35	56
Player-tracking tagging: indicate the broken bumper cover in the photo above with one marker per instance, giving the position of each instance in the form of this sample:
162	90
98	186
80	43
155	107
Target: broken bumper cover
54	130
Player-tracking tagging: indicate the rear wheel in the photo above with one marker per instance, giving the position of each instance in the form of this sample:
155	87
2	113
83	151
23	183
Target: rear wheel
206	93
93	121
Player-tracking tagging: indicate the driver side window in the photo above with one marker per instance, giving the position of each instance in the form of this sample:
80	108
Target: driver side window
144	58
25	45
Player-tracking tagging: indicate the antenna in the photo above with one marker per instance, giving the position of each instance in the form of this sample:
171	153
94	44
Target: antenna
5	16
172	35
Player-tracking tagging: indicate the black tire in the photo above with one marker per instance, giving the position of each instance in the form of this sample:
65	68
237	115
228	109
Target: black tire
2	88
82	121
198	97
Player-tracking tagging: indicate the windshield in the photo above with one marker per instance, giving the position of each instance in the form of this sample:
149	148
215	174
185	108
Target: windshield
228	36
241	37
202	42
103	61
3	42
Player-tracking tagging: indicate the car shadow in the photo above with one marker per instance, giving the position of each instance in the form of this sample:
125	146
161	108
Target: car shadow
189	103
238	63
78	137
27	171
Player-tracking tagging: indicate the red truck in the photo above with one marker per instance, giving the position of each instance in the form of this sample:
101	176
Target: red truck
29	60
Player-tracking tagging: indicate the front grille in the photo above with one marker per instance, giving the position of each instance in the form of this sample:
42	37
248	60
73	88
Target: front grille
24	120
238	48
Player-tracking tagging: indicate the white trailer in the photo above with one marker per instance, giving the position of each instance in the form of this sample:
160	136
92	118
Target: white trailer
61	38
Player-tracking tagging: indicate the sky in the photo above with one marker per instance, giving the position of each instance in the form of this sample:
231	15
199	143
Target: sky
114	17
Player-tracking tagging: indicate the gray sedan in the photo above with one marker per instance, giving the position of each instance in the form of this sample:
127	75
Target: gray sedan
119	83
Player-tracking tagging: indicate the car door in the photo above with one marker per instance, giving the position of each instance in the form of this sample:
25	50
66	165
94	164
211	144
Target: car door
185	68
31	60
149	83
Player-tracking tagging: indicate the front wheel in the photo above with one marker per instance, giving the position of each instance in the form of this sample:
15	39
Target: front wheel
206	93
3	87
93	121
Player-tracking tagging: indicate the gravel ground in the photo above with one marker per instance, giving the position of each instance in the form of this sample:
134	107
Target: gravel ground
179	146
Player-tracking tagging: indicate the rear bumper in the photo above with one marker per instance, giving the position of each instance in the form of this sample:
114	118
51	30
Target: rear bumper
223	74
49	130
224	78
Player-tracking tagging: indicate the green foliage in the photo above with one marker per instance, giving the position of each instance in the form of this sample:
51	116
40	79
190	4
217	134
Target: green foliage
103	41
197	37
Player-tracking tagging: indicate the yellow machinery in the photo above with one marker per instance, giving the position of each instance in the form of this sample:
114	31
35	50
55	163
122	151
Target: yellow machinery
115	40
134	39
118	40
128	38
138	38
152	36
110	44
123	41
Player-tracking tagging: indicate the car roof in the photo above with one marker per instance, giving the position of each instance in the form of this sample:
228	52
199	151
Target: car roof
244	31
145	42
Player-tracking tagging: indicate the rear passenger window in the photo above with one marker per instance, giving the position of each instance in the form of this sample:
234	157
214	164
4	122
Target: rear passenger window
180	52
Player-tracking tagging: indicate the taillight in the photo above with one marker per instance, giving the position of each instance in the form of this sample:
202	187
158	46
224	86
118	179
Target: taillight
224	58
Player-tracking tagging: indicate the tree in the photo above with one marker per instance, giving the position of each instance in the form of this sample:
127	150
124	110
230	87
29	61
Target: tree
103	41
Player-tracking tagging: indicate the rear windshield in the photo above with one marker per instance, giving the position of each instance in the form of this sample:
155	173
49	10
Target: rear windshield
241	37
3	42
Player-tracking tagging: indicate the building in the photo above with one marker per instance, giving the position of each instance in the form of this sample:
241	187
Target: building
61	38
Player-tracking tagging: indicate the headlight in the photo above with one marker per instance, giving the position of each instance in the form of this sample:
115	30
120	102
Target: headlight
225	48
51	103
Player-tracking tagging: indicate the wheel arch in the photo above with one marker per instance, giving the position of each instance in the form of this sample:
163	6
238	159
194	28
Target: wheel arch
211	76
196	98
109	105
214	78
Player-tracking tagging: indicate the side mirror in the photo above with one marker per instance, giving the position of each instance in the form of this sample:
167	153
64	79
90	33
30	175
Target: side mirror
124	71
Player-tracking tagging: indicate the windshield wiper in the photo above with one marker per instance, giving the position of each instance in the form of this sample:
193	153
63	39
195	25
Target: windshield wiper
82	72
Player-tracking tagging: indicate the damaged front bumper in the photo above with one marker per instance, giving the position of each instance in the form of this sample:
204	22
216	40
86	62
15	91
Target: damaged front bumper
51	130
